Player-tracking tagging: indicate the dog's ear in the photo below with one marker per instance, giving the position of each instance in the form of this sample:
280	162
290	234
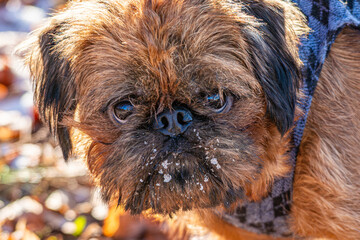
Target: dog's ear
273	46
54	87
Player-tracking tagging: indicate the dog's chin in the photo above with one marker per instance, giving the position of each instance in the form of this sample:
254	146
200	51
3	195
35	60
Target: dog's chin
180	176
181	184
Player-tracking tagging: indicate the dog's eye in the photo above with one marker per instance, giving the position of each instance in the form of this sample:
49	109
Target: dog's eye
219	104
122	110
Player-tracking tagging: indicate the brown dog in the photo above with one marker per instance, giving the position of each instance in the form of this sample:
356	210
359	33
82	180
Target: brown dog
188	104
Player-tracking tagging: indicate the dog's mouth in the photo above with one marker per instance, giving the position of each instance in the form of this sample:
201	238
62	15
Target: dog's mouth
179	157
181	175
179	181
177	145
178	162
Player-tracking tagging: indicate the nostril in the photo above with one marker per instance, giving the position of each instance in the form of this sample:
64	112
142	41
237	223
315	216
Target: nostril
180	118
187	117
183	117
164	121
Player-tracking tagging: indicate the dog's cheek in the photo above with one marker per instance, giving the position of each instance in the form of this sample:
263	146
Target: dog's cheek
86	149
248	129
91	134
237	147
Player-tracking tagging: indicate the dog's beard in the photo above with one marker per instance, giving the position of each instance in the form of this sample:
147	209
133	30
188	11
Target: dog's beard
204	167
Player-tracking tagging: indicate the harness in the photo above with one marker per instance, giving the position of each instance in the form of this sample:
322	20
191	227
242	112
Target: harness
326	18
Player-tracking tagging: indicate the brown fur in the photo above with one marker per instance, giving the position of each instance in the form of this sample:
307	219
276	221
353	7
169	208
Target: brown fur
161	55
327	177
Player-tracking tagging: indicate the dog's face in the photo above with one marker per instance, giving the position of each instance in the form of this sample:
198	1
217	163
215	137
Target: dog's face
173	104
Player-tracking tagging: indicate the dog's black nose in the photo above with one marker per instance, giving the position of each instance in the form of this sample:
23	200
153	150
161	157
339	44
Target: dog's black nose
174	122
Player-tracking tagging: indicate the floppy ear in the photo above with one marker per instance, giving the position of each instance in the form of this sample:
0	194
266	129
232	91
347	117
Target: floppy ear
275	58
54	87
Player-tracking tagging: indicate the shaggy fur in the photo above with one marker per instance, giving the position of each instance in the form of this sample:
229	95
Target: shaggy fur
327	177
160	55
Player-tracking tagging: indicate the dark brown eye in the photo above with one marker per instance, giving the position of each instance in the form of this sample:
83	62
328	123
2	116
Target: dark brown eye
218	104
122	110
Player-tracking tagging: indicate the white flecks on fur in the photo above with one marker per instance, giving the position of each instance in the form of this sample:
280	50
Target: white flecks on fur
215	162
158	184
198	135
167	178
161	171
141	180
154	150
165	164
201	187
177	164
206	179
145	142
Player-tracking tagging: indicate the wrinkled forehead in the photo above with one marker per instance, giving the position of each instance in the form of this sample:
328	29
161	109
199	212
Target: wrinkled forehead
165	48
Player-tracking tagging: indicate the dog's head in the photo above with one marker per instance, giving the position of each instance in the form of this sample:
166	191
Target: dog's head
173	104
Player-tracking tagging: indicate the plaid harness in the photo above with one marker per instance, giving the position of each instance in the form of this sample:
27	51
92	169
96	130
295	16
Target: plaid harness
326	18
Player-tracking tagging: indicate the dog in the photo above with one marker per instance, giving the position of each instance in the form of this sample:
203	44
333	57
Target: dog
188	107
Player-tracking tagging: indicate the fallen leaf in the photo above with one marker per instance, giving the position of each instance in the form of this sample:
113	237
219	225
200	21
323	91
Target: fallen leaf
112	222
80	224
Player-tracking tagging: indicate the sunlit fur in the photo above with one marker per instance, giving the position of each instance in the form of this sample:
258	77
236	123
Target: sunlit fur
327	177
162	54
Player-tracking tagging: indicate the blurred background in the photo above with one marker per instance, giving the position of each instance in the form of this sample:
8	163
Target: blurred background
41	196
